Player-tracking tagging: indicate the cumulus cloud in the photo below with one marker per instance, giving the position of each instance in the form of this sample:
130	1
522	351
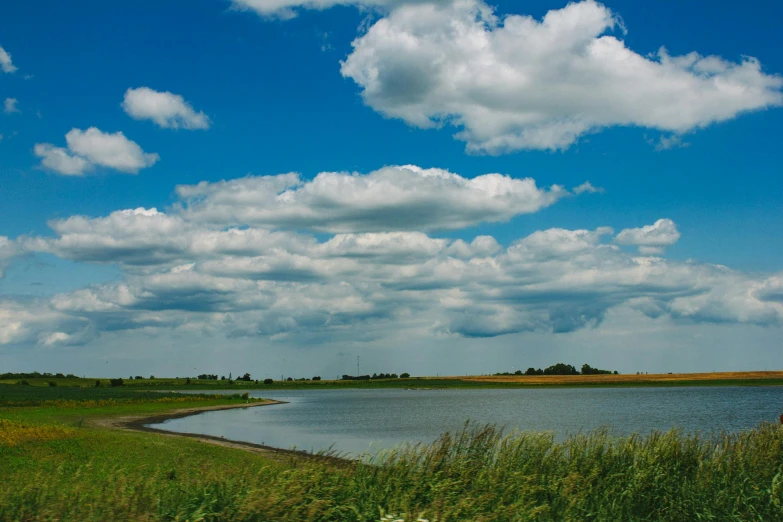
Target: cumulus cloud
5	61
514	82
344	257
166	109
651	239
389	199
191	275
11	105
60	160
88	149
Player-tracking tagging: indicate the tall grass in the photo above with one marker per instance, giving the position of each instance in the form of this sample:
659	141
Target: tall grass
477	474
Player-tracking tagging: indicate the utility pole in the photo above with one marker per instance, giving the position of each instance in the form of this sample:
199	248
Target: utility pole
357	366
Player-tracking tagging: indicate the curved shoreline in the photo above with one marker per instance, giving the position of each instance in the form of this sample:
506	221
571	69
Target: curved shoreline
141	423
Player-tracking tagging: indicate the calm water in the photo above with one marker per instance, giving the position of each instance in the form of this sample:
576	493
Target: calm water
357	421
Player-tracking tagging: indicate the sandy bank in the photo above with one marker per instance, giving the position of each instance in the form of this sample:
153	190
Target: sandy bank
141	422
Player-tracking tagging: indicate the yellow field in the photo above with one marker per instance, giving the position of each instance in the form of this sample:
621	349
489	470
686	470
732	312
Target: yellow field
629	378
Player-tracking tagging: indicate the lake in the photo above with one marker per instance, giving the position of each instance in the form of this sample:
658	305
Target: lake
363	420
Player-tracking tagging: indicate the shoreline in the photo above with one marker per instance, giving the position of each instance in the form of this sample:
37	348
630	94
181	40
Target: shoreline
140	423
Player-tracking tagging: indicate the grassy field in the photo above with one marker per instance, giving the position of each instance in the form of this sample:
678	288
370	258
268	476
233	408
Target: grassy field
766	378
59	463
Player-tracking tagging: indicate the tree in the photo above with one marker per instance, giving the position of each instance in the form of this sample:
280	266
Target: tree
588	370
405	375
317	378
268	381
561	369
114	383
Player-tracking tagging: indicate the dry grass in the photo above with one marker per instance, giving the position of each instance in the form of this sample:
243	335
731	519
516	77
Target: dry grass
15	433
625	379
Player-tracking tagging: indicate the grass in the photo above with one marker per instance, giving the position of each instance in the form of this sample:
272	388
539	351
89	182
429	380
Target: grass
55	467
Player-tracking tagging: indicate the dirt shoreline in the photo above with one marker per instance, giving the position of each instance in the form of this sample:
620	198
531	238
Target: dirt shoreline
140	423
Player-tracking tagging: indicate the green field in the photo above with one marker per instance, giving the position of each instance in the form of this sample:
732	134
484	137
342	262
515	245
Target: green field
58	463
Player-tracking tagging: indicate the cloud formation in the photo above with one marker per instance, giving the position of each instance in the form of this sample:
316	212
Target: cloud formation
514	82
392	198
5	62
651	239
88	149
167	110
287	9
10	105
8	250
198	269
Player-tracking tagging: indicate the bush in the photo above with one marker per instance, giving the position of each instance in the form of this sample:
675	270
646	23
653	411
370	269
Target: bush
246	396
114	383
24	382
268	381
405	375
317	378
98	384
52	383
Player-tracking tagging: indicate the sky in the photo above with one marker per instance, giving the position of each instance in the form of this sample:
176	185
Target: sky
436	186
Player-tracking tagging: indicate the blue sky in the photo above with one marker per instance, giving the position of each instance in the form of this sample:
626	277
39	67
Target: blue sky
286	94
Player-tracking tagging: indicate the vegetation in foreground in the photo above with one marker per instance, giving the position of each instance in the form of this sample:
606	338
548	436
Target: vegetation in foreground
56	467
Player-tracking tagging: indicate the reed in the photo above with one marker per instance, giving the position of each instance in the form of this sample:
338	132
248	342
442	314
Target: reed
476	474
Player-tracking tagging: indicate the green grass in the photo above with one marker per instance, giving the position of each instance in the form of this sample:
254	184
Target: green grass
54	467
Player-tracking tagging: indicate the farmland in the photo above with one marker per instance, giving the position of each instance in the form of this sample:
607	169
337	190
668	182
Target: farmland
758	378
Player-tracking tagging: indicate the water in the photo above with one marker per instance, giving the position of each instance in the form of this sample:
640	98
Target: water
359	421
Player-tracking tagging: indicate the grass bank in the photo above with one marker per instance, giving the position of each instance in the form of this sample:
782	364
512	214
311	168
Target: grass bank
58	466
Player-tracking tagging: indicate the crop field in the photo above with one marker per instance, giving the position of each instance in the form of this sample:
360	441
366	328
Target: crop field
18	396
761	378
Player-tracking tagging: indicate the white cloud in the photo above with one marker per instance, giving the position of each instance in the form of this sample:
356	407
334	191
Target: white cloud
390	199
91	148
514	82
5	61
286	9
587	187
651	239
60	160
11	105
166	109
8	250
184	274
669	142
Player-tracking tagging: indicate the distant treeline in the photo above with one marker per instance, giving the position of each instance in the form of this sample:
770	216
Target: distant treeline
375	376
35	375
562	369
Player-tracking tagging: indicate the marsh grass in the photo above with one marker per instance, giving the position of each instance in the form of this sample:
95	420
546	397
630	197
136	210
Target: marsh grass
476	474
